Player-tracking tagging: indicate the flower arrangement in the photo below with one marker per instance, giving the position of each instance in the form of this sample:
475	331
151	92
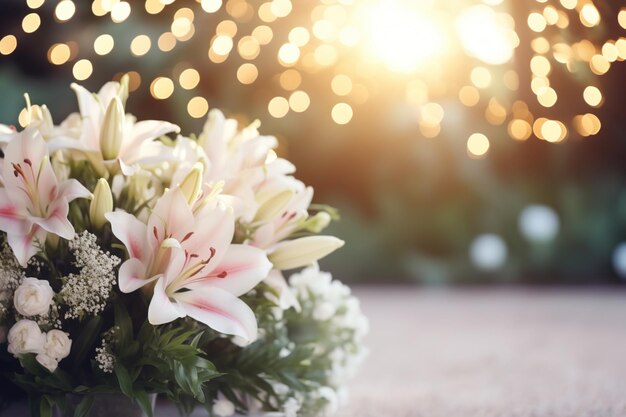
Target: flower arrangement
139	261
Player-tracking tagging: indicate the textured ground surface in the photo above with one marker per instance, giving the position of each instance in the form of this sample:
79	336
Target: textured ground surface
490	353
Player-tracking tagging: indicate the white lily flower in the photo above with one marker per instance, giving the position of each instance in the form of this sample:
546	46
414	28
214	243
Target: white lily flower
110	139
198	272
32	202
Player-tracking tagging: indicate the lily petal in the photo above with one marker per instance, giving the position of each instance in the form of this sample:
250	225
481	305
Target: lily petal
130	231
25	246
219	310
242	268
72	189
216	227
143	131
12	220
132	276
161	309
57	221
172	216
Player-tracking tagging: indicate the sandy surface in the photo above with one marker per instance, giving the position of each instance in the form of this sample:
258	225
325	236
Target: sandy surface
484	353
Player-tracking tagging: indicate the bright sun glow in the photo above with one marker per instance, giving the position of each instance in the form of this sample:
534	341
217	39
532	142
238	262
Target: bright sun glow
487	35
402	37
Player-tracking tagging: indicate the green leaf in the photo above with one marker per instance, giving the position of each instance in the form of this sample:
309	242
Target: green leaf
84	406
45	407
125	326
143	400
123	378
86	339
196	339
30	364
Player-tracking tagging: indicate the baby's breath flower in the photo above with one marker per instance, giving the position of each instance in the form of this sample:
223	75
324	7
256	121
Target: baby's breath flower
104	358
87	292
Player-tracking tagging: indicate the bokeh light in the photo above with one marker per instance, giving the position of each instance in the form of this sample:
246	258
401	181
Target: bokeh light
351	46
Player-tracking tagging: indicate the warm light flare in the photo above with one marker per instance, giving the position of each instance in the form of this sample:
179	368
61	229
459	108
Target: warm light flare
487	35
402	37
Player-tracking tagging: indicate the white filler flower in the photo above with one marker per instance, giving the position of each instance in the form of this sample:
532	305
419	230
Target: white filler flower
33	297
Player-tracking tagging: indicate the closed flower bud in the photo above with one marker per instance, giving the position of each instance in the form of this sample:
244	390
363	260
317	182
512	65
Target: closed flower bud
112	131
33	297
58	344
192	184
303	251
101	204
318	222
47	362
25	337
273	206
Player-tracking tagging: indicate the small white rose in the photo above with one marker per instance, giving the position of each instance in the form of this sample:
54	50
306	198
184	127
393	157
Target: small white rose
46	361
25	337
33	297
58	344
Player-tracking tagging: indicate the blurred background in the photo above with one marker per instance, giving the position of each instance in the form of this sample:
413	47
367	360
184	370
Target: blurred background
463	141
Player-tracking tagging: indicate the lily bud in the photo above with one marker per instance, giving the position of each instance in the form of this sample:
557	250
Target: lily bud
192	184
101	204
318	222
122	91
303	251
273	206
112	131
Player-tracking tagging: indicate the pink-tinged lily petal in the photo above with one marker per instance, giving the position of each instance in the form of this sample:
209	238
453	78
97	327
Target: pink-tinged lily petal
57	221
132	275
171	217
131	232
72	189
25	246
241	270
161	309
47	184
216	227
12	220
220	310
264	236
26	154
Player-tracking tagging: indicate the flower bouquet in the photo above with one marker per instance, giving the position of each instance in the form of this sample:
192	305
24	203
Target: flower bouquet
135	261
